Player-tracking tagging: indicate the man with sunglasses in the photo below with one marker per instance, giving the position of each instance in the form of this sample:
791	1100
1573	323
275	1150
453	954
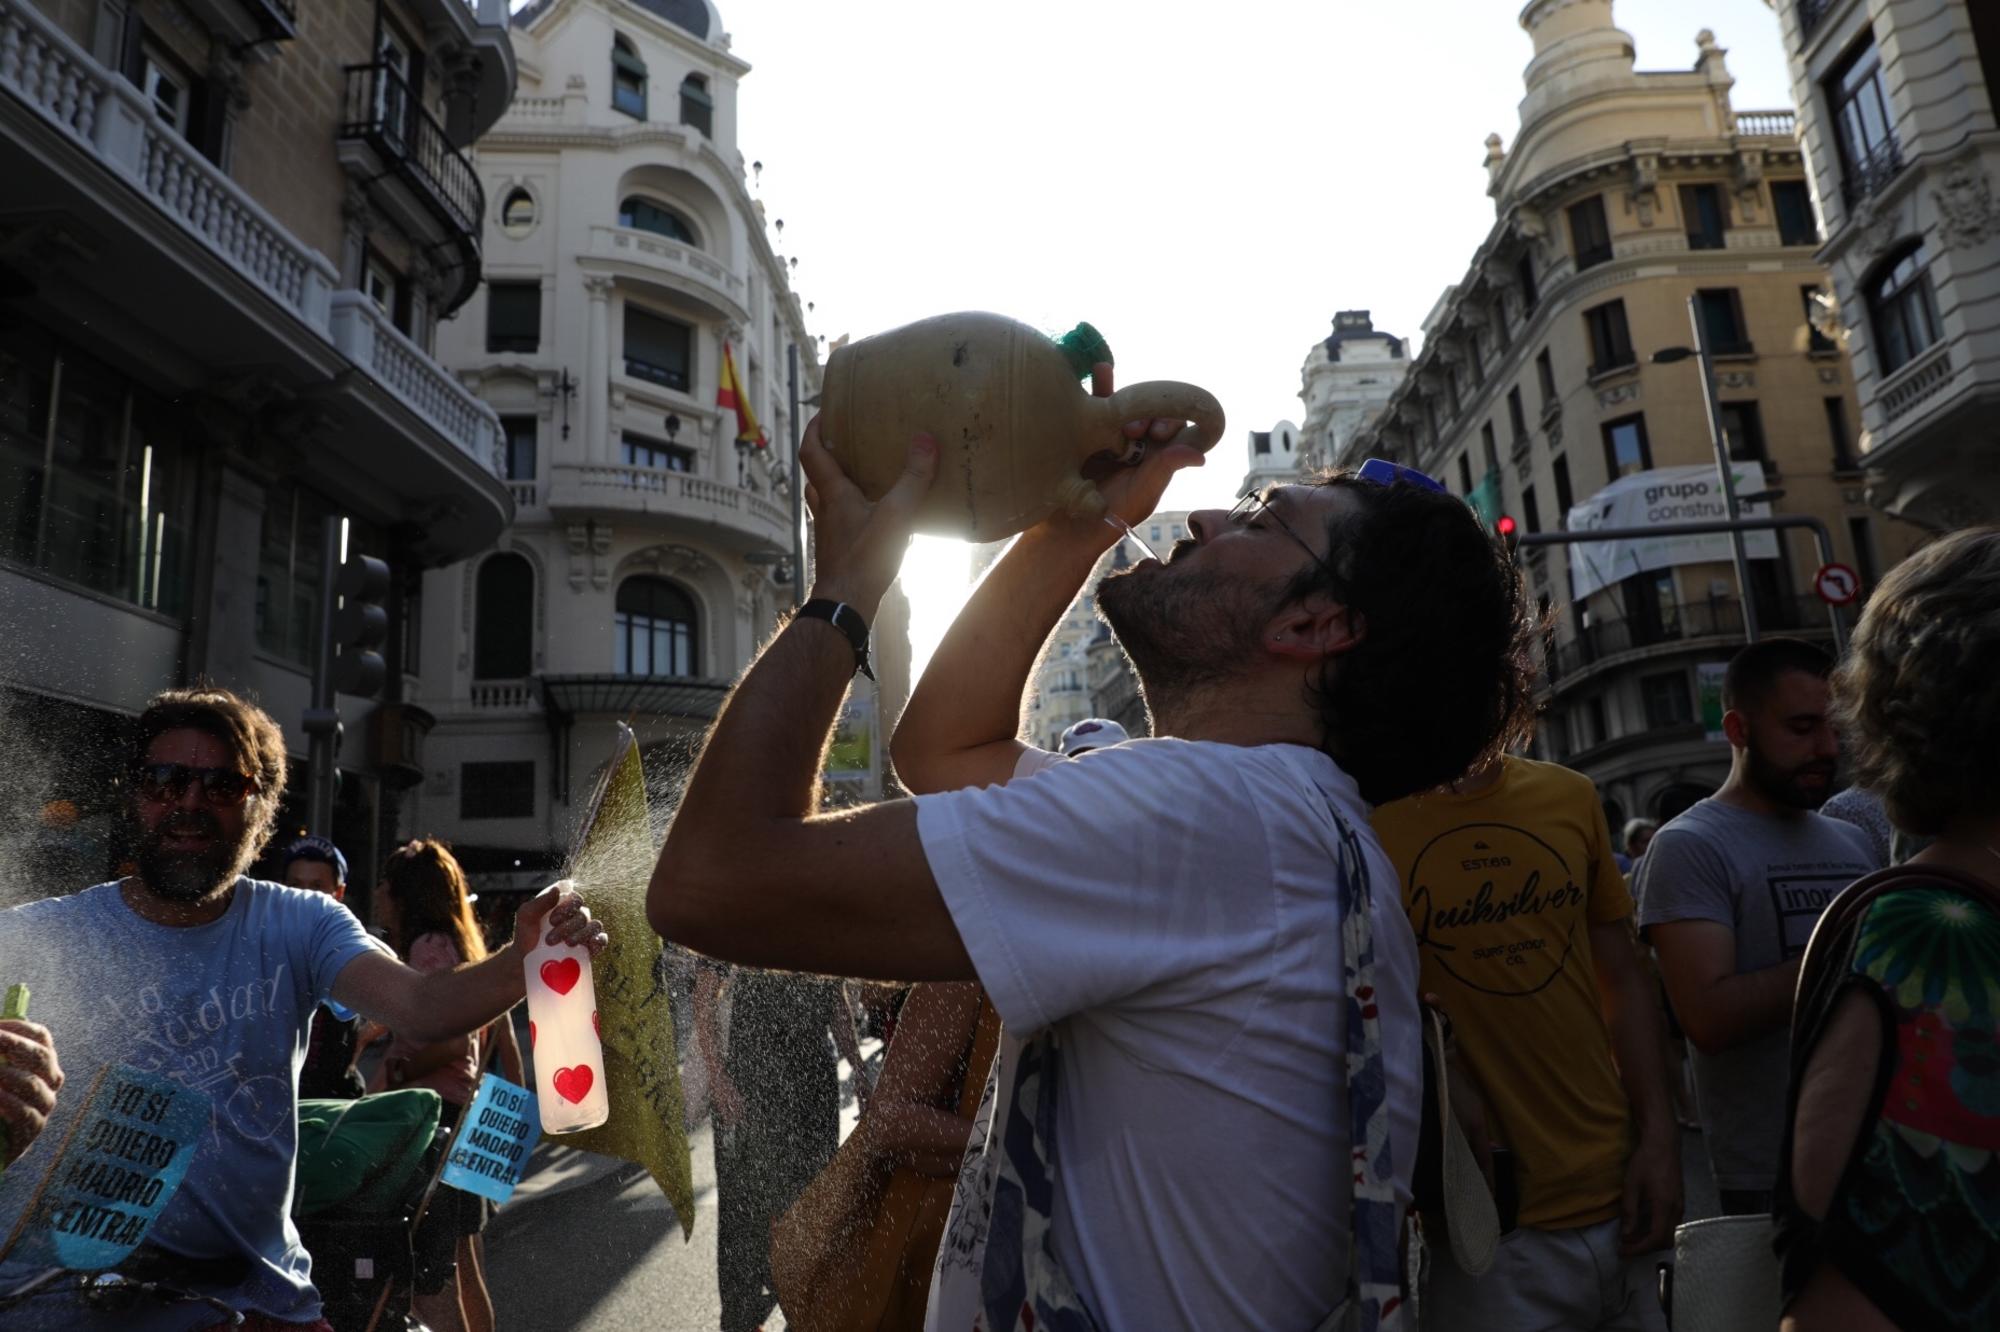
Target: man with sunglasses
203	982
1211	1117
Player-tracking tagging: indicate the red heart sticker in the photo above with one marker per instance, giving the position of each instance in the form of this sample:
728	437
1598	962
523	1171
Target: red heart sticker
561	974
593	1025
573	1084
531	1033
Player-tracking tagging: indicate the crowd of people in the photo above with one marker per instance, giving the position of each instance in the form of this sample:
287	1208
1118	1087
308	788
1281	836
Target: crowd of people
1203	960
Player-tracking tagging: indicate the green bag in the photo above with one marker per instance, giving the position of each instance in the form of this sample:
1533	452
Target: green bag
363	1155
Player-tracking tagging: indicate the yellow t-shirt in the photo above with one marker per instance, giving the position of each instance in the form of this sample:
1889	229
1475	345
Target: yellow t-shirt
1502	887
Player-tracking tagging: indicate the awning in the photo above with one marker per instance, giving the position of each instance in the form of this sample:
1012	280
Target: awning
567	697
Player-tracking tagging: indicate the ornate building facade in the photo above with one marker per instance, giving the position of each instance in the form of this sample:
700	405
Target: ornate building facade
228	231
1537	395
1898	117
632	284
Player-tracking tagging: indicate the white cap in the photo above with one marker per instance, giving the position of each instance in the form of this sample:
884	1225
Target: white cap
1091	733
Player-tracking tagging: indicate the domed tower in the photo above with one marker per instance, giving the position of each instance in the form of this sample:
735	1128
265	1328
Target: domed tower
641	341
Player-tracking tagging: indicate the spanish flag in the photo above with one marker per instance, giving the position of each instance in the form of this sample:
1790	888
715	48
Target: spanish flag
729	396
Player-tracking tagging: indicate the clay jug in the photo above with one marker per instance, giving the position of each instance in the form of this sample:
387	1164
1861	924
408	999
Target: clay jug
1013	423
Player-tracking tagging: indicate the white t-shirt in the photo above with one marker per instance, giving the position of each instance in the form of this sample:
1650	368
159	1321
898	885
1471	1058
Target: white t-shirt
1171	905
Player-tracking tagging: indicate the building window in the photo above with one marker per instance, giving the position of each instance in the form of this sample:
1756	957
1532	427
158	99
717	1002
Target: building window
1861	535
658	348
1503	328
1592	723
1475	359
639	451
697	106
519	434
1863	129
497	790
1451	391
97	476
1837	435
1743	431
1465	474
1531	513
644	215
1545	373
1703	214
1488	451
1902	310
503	625
168	87
1667	701
654	628
1651	611
1565	497
1610	338
1816	341
385	287
513	316
1626	449
517	214
288	571
1792	203
1722	322
1531	295
1517	417
1589	233
628	78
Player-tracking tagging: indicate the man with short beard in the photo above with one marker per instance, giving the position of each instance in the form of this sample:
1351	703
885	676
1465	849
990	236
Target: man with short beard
203	982
1729	893
1210	1119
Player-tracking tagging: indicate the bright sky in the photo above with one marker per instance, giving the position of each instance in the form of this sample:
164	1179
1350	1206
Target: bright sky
1205	183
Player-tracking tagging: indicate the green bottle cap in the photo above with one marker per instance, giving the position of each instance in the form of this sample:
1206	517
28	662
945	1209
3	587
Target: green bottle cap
1084	347
15	1006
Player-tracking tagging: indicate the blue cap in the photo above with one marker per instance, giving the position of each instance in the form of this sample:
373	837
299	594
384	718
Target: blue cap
320	849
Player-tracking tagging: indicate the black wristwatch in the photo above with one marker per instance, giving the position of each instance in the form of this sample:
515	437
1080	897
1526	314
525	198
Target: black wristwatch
846	619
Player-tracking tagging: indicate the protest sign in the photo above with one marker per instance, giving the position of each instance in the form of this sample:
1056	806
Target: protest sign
494	1138
118	1169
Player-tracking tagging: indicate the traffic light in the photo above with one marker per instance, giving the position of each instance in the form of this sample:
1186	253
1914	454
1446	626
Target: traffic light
360	626
1509	533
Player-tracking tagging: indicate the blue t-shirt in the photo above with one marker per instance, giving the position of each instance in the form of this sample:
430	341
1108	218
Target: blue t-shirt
221	1008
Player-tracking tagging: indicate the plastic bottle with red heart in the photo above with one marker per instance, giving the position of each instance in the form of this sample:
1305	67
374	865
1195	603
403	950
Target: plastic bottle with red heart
562	1034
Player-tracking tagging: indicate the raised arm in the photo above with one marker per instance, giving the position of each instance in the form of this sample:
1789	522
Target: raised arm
435	1006
962	722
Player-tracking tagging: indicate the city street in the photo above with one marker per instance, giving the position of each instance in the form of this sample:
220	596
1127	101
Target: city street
590	1243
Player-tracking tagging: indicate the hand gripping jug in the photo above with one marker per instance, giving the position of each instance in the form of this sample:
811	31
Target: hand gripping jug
1013	425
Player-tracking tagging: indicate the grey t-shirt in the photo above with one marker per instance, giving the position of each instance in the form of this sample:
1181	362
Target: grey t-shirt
1768	879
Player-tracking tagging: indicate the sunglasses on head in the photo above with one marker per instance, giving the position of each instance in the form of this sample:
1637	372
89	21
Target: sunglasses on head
222	787
1382	472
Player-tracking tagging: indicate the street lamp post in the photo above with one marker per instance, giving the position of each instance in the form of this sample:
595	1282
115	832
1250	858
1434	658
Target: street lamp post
1719	440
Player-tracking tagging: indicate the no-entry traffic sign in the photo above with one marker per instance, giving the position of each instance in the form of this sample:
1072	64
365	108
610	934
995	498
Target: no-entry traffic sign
1837	584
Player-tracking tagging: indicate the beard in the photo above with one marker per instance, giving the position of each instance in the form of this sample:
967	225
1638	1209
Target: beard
1785	786
1183	629
189	876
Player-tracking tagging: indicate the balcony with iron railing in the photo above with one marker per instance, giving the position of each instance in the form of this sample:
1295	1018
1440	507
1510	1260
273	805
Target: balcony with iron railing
241	23
1865	178
1687	625
386	136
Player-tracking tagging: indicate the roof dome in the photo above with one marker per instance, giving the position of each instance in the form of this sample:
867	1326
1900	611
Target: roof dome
693	15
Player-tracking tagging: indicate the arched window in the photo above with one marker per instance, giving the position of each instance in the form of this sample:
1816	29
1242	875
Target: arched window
1901	309
503	626
697	106
655	629
517	213
628	78
645	215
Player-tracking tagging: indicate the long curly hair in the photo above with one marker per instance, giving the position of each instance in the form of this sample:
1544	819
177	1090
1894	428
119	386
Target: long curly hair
1443	677
1915	699
432	897
251	735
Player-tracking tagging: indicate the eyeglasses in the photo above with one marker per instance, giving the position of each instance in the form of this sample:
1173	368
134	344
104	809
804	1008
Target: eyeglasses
224	788
1252	507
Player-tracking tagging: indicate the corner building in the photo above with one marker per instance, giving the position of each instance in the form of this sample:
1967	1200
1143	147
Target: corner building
228	232
626	258
1623	195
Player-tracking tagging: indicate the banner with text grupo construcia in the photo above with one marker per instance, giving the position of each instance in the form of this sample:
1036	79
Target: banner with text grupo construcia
1658	498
